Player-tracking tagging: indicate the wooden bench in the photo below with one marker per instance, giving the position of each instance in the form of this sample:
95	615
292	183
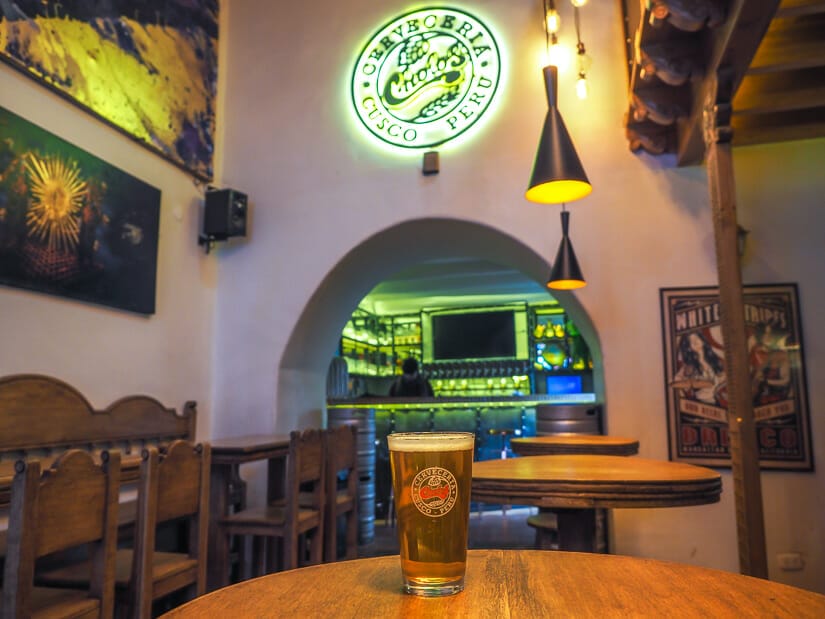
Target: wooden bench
41	417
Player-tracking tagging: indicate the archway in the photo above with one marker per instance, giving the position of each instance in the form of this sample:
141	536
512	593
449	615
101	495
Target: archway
301	394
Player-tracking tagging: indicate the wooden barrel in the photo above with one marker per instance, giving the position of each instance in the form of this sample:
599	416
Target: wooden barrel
568	419
364	420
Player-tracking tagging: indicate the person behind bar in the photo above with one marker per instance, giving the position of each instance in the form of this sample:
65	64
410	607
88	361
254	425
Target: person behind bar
411	383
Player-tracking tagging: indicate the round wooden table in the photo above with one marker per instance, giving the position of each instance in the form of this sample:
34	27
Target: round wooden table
573	486
512	583
574	444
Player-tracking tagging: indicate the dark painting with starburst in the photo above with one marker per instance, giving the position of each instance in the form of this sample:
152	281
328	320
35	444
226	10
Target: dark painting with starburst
73	225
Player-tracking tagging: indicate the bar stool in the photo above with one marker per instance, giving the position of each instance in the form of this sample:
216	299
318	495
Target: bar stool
503	433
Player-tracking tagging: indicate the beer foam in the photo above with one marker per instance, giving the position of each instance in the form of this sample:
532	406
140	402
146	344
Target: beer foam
430	441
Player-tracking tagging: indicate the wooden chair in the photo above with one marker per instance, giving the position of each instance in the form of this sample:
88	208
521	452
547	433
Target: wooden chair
290	518
174	486
74	502
341	447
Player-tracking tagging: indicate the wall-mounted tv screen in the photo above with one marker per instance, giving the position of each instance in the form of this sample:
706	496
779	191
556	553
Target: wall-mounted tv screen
476	335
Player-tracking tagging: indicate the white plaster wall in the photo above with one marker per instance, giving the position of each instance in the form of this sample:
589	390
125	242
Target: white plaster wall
107	353
318	189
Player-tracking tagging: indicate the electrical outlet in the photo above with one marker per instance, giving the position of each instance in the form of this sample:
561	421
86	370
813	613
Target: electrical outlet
790	561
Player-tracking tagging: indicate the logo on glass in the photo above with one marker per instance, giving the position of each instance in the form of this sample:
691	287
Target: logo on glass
434	491
426	77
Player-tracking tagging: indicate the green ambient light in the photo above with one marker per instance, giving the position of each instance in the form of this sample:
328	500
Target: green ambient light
426	77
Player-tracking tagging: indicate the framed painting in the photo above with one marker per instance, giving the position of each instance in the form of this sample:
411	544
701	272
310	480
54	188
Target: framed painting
71	224
147	68
696	385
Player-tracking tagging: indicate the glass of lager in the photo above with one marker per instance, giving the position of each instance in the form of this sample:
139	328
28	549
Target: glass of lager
431	474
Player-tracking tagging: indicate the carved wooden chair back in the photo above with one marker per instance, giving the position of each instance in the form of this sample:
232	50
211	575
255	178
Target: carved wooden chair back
173	486
300	512
74	502
341	446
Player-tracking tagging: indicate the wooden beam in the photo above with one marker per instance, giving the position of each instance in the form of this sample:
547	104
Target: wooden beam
800	8
785	92
791	44
733	44
749	134
742	426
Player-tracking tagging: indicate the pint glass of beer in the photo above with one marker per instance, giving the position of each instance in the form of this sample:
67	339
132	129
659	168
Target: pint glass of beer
431	473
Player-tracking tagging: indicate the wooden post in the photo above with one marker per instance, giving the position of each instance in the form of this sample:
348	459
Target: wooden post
743	445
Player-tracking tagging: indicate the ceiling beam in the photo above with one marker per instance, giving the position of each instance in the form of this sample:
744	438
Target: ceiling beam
733	44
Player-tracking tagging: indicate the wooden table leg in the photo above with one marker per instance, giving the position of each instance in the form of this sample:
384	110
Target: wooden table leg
218	553
577	529
276	479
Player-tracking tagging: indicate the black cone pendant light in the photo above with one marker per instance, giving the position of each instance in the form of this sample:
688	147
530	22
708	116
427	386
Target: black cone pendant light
558	175
566	273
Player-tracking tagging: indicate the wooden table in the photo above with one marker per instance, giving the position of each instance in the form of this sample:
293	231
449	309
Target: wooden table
575	485
227	455
546	521
512	583
574	444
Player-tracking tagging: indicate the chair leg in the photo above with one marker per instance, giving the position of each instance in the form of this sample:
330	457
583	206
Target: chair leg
351	551
303	555
290	554
244	566
331	539
315	546
273	559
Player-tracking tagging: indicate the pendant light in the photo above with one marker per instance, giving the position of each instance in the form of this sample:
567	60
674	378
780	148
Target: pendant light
558	175
566	273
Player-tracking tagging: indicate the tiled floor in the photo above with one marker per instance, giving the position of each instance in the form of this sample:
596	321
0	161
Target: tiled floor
490	529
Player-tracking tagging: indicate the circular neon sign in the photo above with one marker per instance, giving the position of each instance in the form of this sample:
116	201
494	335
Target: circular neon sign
426	77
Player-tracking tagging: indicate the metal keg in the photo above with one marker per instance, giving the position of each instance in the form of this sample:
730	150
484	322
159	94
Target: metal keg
364	420
568	419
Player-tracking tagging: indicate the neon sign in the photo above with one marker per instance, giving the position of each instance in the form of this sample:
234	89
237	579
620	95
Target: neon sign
426	77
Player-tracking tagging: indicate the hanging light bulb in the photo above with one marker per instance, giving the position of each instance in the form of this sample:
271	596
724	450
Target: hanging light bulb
553	20
581	86
583	62
578	3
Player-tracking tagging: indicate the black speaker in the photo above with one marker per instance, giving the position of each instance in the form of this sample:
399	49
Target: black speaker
224	214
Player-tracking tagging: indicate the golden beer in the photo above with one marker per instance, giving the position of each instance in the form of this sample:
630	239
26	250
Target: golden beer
431	473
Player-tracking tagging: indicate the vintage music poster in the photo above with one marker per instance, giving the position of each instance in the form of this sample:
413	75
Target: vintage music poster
696	384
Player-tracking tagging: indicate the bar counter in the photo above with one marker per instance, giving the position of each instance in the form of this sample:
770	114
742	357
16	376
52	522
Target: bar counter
532	400
494	420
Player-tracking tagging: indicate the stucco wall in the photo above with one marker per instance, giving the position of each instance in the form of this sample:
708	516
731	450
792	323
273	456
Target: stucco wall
107	353
320	189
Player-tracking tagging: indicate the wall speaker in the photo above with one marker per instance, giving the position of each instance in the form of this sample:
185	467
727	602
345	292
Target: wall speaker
224	214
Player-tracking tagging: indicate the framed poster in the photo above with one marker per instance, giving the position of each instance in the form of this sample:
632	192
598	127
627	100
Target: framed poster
147	68
71	224
696	385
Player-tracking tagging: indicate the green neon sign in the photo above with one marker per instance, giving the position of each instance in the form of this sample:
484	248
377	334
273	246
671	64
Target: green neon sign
426	77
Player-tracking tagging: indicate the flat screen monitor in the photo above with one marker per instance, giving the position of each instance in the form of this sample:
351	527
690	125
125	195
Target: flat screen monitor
477	335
